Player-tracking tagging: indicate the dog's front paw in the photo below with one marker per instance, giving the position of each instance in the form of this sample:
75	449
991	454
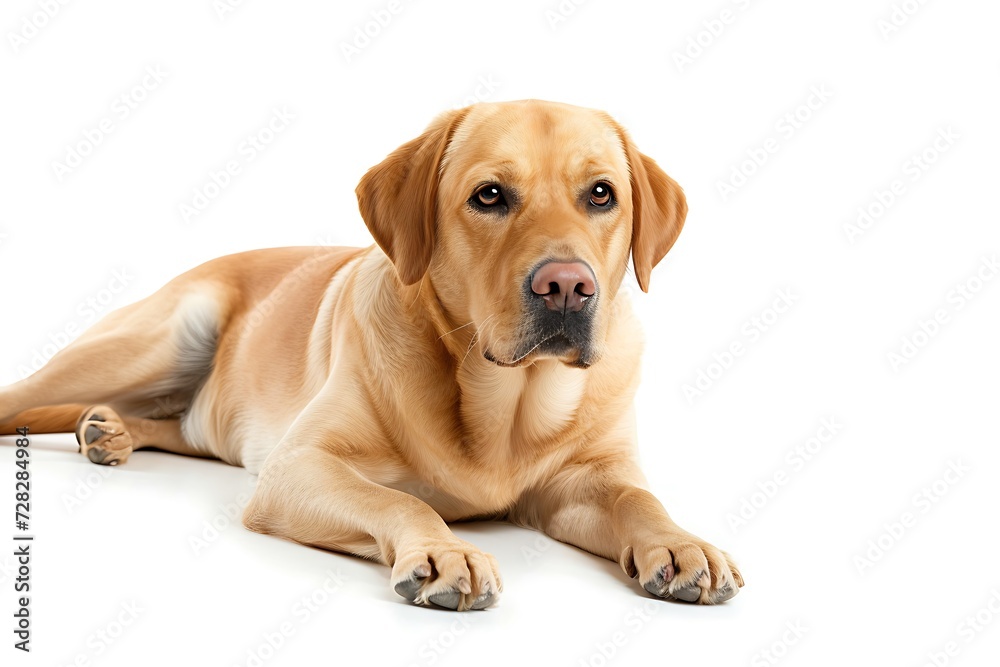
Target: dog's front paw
682	567
452	574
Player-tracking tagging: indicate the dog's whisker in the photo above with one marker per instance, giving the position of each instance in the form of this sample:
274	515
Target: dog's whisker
490	305
455	329
536	346
472	344
476	336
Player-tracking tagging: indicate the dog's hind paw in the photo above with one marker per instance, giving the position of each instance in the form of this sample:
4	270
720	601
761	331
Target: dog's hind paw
103	437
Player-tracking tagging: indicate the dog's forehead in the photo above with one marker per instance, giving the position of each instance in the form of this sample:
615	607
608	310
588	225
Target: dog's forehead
532	133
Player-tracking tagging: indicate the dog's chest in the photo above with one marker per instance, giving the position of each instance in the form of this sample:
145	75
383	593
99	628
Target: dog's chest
503	411
511	430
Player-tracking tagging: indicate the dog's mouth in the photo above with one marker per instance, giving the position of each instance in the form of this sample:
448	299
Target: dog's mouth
557	345
548	333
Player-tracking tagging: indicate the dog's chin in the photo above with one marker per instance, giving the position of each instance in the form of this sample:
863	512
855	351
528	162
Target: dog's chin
557	346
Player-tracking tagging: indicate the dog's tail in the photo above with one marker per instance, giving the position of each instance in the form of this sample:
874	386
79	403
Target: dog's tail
54	419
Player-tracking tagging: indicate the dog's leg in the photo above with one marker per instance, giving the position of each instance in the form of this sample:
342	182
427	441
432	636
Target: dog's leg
310	493
50	419
107	438
157	347
600	506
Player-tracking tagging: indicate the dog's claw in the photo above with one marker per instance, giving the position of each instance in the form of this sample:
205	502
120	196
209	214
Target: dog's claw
92	435
96	454
408	588
727	592
449	600
689	594
452	599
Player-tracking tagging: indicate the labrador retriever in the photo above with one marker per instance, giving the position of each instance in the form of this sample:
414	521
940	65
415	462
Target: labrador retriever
477	363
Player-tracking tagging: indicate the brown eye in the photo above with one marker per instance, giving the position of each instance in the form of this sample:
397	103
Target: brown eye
489	196
601	194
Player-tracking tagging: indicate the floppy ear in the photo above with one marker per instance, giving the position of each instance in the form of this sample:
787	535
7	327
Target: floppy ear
658	211
398	198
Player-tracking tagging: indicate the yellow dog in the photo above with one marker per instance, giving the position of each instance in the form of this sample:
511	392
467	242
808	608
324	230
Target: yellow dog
477	363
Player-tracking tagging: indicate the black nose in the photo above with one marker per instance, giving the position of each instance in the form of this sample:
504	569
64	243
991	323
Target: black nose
564	286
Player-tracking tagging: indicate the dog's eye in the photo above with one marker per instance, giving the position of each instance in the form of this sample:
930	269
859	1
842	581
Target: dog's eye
489	196
601	195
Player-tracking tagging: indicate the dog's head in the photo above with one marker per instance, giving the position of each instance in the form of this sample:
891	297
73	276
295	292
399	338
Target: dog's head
522	215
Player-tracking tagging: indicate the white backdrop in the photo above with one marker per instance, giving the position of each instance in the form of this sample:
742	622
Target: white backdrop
820	389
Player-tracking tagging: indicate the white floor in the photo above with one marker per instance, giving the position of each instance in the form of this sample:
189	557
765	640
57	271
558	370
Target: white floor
152	546
143	564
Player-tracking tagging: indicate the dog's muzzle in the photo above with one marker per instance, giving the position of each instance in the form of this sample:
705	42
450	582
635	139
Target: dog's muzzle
560	300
